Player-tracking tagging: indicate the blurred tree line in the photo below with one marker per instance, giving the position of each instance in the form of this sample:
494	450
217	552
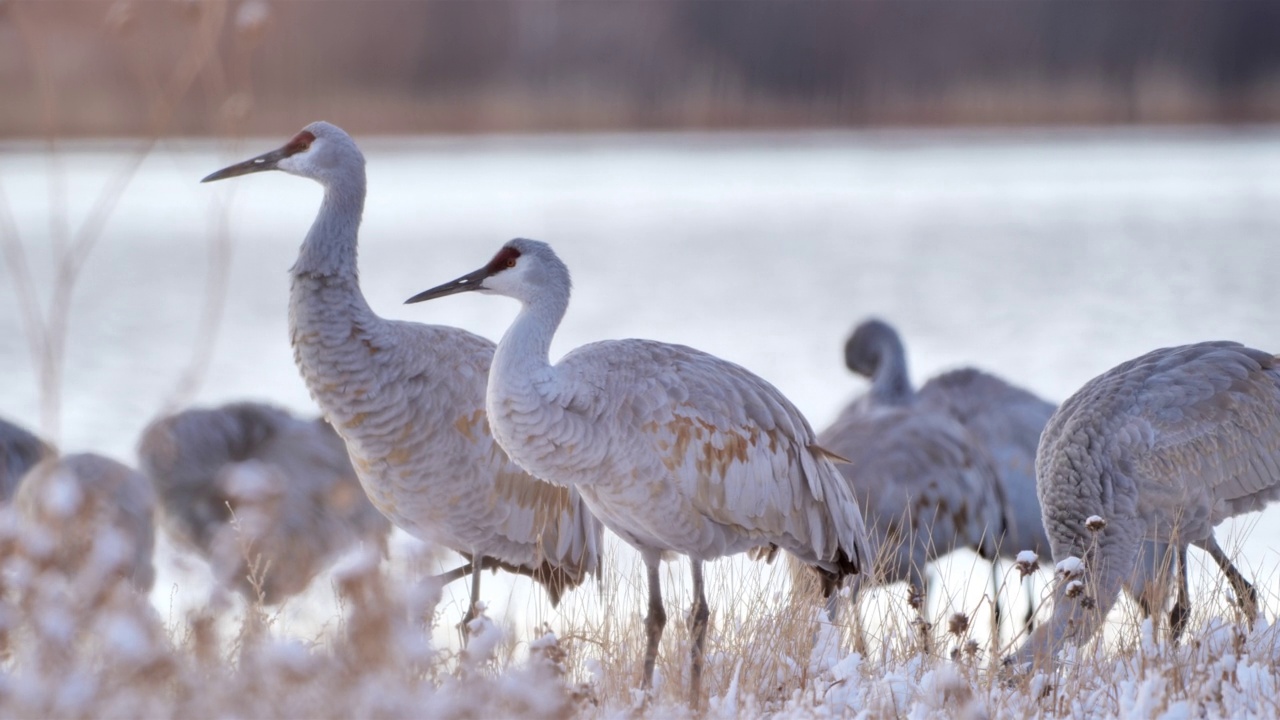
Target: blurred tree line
205	66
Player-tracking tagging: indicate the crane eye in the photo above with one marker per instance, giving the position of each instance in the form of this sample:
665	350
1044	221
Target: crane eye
504	260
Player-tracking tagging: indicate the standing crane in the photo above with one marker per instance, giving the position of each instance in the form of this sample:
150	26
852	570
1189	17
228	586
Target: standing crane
1162	447
677	451
925	489
408	398
102	514
19	451
949	486
924	485
296	500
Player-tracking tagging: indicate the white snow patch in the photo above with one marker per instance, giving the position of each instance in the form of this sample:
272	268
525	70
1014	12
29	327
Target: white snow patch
1071	567
1028	557
483	640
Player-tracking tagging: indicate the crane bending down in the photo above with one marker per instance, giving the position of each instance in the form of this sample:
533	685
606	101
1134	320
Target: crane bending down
1164	447
20	450
103	514
296	499
677	451
408	398
1007	421
935	483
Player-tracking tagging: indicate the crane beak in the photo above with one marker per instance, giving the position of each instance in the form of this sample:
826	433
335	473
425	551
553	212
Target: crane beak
466	283
265	161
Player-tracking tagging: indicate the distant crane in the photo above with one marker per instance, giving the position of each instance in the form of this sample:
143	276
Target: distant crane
1163	447
296	499
101	514
925	486
408	399
20	450
677	451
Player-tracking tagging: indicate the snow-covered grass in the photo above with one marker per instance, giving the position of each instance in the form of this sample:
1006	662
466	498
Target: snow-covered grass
85	645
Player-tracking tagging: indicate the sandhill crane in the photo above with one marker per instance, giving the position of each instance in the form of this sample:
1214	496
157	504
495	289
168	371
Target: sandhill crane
408	399
924	488
101	515
19	451
296	499
674	449
1008	422
925	483
1163	447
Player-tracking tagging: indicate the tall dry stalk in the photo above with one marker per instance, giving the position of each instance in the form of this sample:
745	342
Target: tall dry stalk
164	84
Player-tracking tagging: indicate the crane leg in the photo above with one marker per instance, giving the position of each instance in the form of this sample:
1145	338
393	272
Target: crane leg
476	566
655	620
831	593
1182	607
997	605
1246	596
698	617
1029	621
449	576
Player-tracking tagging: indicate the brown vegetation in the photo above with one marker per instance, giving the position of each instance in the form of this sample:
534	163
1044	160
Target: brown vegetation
90	67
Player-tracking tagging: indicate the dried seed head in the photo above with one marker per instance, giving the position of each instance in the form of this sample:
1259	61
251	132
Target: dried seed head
957	624
922	626
1074	589
915	598
1027	562
1095	523
972	649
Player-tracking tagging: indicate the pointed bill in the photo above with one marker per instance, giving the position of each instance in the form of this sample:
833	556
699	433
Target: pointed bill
466	283
265	161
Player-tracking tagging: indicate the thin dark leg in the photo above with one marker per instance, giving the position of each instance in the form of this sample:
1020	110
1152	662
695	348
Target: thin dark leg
1246	596
449	576
477	566
1029	621
698	633
997	605
654	622
831	591
1182	607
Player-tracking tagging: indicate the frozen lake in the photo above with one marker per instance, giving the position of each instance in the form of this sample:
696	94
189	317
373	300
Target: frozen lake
1046	257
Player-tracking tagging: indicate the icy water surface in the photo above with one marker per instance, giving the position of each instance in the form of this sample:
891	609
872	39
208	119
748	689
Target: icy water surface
1046	257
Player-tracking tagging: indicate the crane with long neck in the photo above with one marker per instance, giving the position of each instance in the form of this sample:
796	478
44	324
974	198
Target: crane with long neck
676	450
408	398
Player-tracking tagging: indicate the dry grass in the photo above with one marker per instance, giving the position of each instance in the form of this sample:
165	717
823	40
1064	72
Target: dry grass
85	645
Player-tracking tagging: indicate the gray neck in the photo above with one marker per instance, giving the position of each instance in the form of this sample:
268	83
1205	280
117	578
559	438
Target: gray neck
891	384
523	355
330	247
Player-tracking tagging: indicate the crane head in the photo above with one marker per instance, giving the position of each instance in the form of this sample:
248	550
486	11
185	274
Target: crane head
266	161
522	269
